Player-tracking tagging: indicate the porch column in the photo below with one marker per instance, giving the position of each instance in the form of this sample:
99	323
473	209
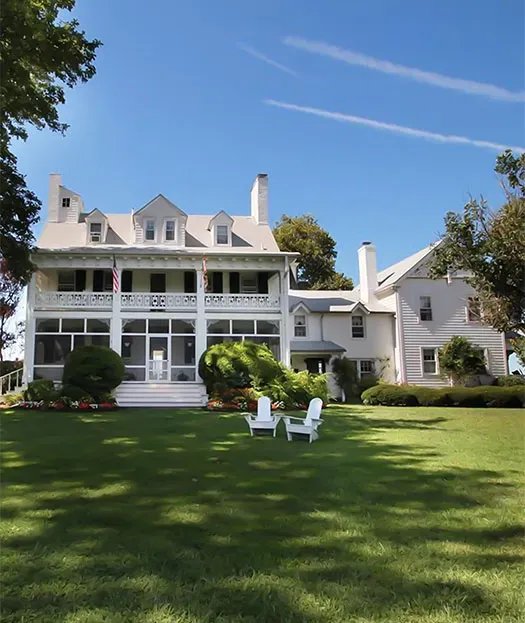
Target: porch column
200	322
116	319
284	279
29	344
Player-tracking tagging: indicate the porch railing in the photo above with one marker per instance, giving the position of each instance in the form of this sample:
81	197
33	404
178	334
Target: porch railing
139	300
11	382
73	300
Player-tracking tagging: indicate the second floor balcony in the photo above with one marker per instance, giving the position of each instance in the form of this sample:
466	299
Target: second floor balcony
92	290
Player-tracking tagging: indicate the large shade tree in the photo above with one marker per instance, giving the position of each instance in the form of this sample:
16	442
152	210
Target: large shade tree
43	52
316	262
490	246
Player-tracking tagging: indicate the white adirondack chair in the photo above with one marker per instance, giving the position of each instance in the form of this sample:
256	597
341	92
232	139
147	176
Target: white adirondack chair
264	420
306	426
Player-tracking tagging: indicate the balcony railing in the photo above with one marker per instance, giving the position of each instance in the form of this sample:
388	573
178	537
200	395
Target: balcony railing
242	301
146	301
139	300
74	300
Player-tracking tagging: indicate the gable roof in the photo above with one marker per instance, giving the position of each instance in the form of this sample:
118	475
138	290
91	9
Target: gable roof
152	201
218	216
94	212
391	275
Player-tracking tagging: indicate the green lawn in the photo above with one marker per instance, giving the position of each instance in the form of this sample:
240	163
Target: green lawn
156	516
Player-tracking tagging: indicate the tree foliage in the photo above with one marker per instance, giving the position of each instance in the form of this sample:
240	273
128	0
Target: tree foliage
10	293
95	369
41	54
490	246
316	264
459	360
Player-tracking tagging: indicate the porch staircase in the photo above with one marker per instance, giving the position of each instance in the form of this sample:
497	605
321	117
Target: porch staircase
161	395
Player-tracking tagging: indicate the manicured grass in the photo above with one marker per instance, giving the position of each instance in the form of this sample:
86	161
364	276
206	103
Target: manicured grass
156	516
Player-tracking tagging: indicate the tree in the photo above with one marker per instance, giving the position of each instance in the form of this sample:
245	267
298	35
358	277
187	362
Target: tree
40	55
10	293
490	246
459	360
316	263
518	344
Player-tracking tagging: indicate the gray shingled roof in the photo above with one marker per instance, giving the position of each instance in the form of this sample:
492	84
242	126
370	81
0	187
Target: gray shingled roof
307	346
321	301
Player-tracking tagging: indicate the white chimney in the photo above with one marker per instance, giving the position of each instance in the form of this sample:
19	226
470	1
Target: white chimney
53	200
367	271
259	199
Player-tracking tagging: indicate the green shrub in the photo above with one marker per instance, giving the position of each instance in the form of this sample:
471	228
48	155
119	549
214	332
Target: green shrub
365	382
484	396
75	394
390	395
510	380
94	369
431	397
237	365
13	398
40	390
296	389
346	377
459	359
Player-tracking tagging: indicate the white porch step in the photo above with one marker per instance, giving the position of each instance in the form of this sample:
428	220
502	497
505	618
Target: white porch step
161	395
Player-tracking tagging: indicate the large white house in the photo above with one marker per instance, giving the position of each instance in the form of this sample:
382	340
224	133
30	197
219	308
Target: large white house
158	286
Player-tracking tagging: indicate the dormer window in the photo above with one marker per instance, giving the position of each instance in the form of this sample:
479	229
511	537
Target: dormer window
149	230
169	231
66	202
95	232
222	234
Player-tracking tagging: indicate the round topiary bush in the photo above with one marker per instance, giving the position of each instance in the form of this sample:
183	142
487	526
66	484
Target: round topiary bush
76	394
238	364
94	369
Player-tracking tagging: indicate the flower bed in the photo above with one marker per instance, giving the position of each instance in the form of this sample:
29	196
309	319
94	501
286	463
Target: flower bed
216	404
65	405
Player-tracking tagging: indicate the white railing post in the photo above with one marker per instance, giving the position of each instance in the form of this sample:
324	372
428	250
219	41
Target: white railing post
200	322
284	281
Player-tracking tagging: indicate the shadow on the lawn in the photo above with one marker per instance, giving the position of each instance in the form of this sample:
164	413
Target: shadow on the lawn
186	511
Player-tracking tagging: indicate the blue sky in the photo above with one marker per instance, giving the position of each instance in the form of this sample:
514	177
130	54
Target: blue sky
178	107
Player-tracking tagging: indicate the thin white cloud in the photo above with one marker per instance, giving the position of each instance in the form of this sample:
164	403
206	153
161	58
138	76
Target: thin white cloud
267	60
392	127
446	82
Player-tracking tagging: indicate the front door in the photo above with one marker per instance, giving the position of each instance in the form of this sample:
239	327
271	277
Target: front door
158	358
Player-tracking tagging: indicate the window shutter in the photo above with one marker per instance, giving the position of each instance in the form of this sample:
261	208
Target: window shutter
126	281
98	281
80	280
235	283
190	281
157	282
262	283
217	283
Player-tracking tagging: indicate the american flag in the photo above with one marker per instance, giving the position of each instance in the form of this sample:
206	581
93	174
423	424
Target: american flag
116	276
205	274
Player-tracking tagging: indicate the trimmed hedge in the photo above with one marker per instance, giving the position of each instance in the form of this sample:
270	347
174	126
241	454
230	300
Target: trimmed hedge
485	396
94	369
511	380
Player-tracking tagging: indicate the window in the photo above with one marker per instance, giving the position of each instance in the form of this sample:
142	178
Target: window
95	232
66	202
66	281
222	235
473	309
300	326
358	326
425	308
366	367
430	361
149	230
258	331
169	231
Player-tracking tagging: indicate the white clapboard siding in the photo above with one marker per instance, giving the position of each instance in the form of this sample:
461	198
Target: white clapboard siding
449	303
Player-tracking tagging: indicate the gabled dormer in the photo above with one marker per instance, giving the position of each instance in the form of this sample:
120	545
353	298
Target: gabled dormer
97	227
160	222
220	227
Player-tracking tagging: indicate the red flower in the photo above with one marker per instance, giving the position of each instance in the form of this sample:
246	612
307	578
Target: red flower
83	405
